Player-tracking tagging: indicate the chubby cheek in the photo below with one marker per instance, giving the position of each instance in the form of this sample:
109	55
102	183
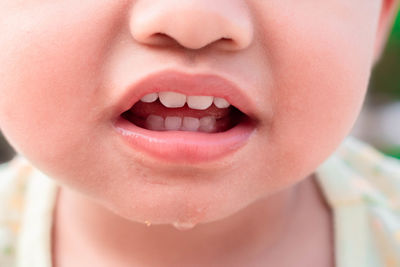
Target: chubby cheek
320	76
49	77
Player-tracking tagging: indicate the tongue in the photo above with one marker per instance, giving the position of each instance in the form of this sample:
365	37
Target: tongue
143	110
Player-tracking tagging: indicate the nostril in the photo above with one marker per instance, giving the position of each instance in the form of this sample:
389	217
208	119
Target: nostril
227	43
161	36
161	39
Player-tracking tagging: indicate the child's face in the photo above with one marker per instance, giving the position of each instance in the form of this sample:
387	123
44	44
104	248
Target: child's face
66	66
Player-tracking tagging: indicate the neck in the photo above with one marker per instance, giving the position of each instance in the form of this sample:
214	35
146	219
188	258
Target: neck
260	226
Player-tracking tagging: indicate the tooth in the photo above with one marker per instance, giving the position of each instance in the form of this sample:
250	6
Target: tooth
172	99
221	102
200	102
207	124
155	123
173	123
190	124
149	98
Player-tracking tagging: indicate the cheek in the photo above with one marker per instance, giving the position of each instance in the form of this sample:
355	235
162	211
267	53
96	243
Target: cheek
320	75
49	74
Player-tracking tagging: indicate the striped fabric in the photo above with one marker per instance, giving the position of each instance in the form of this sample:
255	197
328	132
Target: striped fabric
361	185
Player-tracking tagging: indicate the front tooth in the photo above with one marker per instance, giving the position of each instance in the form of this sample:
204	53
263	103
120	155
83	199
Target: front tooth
149	98
155	123
172	99
173	123
221	102
200	102
207	124
190	124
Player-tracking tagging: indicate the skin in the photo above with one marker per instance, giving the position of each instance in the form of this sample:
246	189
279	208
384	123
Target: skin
65	64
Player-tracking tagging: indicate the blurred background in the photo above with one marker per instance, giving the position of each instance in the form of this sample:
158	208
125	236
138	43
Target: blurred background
379	122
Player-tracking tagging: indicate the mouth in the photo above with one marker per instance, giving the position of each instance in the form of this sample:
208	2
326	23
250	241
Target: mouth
171	111
185	118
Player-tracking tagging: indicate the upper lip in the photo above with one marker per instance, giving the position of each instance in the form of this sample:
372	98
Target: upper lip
188	84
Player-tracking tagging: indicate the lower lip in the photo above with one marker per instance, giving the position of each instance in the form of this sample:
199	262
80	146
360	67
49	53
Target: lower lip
184	147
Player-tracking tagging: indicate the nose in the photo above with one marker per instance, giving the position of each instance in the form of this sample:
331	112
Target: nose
192	24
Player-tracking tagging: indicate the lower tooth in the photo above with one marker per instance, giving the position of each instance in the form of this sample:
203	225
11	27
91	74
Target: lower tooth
207	124
158	123
155	123
190	124
173	123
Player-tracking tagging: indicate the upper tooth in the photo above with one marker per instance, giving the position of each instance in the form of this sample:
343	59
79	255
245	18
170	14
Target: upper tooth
149	98
177	100
172	99
221	102
200	102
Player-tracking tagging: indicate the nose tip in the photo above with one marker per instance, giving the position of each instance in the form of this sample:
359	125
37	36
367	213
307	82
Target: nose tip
193	24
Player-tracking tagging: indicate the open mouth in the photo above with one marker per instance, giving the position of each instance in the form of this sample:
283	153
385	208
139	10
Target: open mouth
172	111
159	118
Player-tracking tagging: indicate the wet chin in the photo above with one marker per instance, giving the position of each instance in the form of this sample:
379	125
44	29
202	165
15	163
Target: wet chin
180	210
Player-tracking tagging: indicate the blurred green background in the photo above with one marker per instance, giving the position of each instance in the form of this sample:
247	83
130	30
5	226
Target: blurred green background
379	122
386	77
383	100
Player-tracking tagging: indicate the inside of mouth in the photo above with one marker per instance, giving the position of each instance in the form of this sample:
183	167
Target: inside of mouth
156	117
